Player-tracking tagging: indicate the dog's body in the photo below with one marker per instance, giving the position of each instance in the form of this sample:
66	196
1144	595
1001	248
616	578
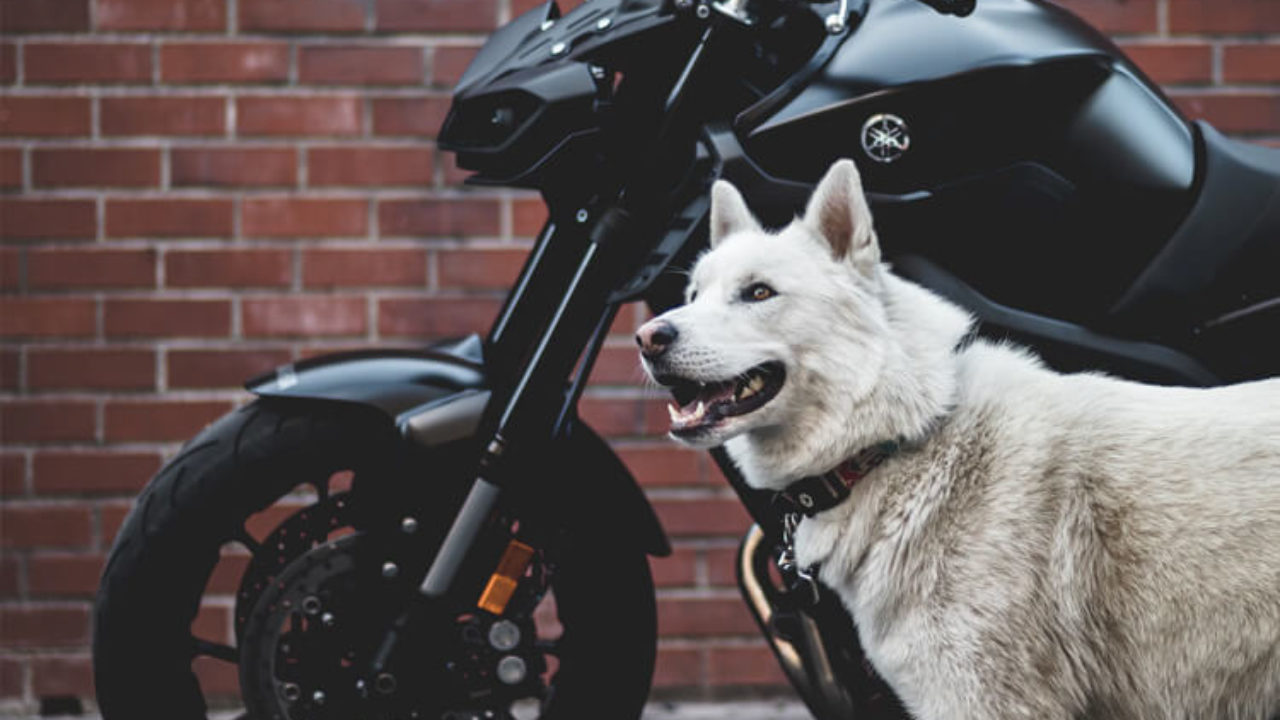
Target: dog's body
1045	545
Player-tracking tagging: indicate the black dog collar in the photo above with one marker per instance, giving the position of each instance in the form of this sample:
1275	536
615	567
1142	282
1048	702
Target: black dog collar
810	496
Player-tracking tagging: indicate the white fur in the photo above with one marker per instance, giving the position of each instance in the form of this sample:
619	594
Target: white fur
1051	546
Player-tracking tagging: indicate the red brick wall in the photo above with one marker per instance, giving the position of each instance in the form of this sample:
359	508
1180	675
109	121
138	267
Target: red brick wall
197	190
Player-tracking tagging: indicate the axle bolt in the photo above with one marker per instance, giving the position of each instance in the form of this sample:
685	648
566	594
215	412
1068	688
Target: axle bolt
703	12
390	570
409	526
385	683
318	697
311	605
291	692
582	215
327	619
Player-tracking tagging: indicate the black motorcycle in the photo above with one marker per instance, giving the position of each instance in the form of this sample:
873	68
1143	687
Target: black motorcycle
1018	164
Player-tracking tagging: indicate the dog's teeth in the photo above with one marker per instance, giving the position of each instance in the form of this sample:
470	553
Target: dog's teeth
756	384
746	391
674	412
700	410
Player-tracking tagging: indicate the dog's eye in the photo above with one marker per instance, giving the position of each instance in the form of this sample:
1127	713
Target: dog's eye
757	292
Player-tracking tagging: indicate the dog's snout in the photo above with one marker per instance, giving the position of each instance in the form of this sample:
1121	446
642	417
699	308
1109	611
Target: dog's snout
655	336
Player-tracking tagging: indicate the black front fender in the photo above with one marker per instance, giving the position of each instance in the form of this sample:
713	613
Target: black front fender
437	395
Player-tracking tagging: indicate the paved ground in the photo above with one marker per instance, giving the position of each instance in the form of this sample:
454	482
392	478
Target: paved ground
754	710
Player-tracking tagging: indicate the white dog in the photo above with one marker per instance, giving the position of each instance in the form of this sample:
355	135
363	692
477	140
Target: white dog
1042	545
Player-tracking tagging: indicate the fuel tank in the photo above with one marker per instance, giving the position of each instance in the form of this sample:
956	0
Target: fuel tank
1016	147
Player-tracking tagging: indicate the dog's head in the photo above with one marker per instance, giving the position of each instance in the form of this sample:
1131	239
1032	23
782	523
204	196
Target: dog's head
777	326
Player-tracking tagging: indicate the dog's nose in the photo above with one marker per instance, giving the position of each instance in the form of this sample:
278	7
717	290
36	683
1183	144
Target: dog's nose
655	336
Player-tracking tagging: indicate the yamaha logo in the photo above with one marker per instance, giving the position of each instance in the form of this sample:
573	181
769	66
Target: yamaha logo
885	137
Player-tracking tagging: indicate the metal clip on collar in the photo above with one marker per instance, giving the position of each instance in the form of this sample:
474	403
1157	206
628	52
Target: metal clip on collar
802	589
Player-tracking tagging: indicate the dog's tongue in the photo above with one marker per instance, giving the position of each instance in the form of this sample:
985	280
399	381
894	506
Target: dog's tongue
702	408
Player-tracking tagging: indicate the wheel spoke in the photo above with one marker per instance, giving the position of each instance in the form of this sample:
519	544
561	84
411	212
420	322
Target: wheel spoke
216	650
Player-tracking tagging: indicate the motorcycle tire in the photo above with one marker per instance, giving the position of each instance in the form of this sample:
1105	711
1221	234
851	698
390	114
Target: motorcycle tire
168	546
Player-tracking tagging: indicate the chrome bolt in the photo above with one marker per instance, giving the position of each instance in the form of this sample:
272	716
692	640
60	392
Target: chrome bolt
703	12
835	24
385	683
327	619
603	23
504	635
409	525
390	570
547	25
318	697
512	670
582	215
311	605
684	4
559	48
291	692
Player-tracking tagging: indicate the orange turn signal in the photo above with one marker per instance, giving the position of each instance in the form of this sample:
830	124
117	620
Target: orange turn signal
502	584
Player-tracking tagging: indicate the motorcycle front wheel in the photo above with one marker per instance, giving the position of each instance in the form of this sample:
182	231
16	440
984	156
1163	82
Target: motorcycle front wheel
161	561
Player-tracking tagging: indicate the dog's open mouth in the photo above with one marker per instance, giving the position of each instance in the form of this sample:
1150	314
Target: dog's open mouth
699	406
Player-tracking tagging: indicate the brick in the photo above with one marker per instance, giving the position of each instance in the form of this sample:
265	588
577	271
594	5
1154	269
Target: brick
228	268
10	168
62	269
611	417
364	267
722	567
489	269
44	627
304	217
233	166
1235	113
92	472
55	676
303	15
190	15
13	472
618	366
750	665
450	61
434	317
679	569
63	574
167	318
437	15
224	62
10	268
8	63
113	167
702	517
24	218
1224	16
112	517
61	63
212	622
10	571
703	617
158	420
44	116
220	368
29	526
355	65
1247	64
311	115
90	369
163	115
305	316
1170	63
438	218
662	465
44	15
678	668
47	317
527	217
375	166
417	116
11	678
169	217
1124	17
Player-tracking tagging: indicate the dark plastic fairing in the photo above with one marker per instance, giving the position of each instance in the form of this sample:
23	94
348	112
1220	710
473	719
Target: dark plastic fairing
1034	144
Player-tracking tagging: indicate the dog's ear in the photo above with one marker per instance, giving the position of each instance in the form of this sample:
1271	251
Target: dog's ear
839	213
729	212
